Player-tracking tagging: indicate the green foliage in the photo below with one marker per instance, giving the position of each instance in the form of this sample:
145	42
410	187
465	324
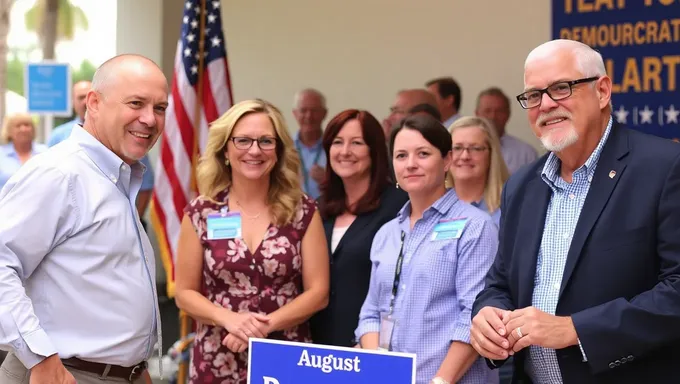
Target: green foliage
15	75
69	18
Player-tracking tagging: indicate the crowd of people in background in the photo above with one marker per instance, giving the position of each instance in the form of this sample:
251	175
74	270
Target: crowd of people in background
428	232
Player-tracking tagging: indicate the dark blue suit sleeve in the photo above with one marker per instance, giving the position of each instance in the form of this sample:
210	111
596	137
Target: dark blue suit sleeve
623	328
496	292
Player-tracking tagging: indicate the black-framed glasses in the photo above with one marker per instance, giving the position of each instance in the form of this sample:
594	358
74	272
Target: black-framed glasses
557	91
266	143
472	150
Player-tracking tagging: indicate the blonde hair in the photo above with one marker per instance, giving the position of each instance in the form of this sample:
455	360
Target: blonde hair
498	171
213	175
12	120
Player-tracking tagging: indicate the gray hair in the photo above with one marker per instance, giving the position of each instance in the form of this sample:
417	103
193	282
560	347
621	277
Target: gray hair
588	60
308	91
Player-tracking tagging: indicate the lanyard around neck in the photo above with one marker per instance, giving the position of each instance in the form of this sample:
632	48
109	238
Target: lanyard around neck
397	273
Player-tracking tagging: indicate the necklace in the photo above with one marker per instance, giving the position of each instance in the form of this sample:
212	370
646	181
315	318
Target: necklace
246	213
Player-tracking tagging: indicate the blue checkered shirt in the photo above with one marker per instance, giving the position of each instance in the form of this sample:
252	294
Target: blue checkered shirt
438	285
564	210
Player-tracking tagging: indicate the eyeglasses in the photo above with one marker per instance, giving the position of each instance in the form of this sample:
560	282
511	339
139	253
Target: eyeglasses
265	143
557	91
474	149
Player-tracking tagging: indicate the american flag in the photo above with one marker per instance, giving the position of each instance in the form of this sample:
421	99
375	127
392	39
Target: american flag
186	127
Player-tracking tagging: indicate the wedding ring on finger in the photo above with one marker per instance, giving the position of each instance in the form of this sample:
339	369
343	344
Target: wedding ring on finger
519	333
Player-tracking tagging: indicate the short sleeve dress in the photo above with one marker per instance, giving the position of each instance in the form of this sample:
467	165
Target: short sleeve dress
240	281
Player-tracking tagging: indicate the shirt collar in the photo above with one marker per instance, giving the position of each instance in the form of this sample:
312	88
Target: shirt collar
551	169
107	161
447	123
299	144
441	206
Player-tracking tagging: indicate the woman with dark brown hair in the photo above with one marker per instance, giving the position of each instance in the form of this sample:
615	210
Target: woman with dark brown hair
356	199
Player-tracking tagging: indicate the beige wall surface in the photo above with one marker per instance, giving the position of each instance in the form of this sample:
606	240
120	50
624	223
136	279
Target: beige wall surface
357	52
360	52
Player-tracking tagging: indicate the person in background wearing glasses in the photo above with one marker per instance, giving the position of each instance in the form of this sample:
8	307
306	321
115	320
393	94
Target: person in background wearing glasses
252	254
429	264
478	171
586	284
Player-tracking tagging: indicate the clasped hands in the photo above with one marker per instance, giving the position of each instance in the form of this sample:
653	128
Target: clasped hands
242	326
497	333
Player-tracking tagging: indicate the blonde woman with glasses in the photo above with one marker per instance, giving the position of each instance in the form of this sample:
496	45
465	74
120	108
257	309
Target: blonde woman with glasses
252	254
478	171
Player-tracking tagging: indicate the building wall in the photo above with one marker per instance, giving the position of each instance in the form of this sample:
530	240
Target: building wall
359	53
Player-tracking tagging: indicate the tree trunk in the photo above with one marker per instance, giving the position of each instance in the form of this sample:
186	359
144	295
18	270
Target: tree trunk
5	8
49	29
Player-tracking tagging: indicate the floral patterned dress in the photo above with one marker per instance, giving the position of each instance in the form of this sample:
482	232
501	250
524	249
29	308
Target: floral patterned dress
240	281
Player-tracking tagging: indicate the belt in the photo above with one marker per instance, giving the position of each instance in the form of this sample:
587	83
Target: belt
107	370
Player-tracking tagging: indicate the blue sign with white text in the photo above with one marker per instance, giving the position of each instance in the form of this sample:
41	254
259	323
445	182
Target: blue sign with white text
47	88
281	362
640	43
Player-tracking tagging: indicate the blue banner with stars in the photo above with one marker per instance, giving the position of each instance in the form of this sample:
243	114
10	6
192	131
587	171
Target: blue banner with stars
640	43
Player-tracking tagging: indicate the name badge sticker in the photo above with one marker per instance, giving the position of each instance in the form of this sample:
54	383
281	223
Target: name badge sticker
449	229
224	226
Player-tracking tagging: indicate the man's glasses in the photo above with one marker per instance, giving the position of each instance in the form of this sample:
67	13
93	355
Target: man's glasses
266	143
557	91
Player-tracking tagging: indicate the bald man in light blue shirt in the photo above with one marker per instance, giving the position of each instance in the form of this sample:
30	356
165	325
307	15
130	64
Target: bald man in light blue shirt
78	297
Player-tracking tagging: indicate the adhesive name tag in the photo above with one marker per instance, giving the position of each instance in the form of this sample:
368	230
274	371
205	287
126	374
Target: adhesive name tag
449	229
224	226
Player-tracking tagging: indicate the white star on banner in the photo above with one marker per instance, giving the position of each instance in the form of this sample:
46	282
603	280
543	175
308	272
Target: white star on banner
211	18
185	20
187	52
188	5
216	41
621	115
672	115
646	115
194	24
216	4
191	37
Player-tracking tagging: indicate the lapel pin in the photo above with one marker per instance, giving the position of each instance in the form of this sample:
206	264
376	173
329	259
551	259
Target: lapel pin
612	173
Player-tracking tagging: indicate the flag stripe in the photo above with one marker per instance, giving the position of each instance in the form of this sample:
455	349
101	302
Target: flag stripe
173	184
184	119
217	80
210	108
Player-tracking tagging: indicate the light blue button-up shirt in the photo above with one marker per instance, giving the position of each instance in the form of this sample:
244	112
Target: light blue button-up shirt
438	285
495	215
62	133
9	160
561	218
77	270
310	156
516	153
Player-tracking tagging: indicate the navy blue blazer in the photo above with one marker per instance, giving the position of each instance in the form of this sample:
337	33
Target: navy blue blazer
351	271
621	282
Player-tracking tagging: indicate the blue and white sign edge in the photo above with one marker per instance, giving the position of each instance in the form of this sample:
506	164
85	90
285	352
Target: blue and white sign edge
69	87
412	356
